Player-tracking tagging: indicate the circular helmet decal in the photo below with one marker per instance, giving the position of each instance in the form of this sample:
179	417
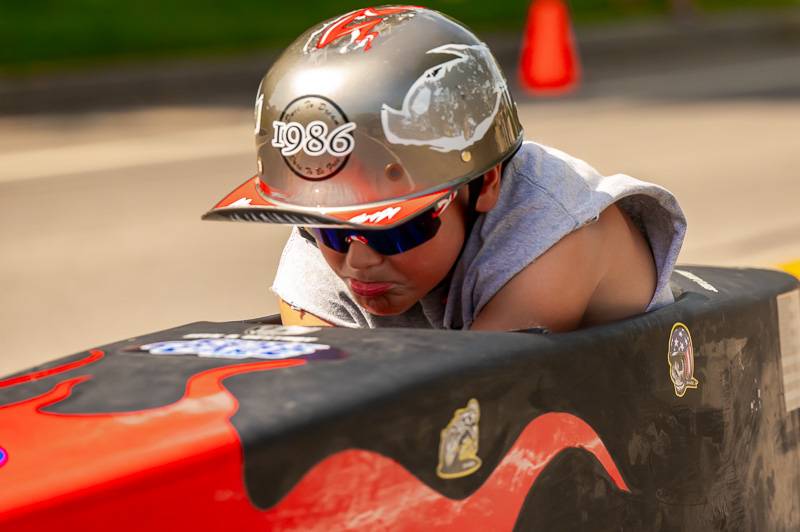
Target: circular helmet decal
314	137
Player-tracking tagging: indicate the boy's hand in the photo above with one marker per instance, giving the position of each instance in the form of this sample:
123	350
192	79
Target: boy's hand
295	316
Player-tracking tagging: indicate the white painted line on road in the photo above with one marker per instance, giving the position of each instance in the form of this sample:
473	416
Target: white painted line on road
112	155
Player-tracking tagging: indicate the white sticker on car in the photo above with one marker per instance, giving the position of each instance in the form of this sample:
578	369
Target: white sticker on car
234	348
700	282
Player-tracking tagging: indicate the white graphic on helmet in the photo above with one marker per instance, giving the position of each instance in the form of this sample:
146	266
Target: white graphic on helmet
241	202
452	105
376	217
257	111
443	203
313	139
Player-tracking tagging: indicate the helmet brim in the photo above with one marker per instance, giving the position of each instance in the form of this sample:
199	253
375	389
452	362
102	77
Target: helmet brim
250	202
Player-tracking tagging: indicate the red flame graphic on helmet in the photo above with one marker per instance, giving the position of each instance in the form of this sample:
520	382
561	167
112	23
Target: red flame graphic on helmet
361	32
180	467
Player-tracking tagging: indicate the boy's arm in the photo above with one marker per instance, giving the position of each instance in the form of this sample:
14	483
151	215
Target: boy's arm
553	291
292	316
599	273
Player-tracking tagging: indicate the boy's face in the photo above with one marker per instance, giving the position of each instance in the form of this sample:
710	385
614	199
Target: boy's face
387	285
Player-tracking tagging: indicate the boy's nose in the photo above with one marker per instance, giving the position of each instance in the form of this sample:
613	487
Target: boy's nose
360	256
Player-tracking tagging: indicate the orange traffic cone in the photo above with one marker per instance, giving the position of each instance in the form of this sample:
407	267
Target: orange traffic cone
549	62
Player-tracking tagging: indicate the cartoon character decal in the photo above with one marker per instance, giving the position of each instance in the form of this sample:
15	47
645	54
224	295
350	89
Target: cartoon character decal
458	446
361	26
680	356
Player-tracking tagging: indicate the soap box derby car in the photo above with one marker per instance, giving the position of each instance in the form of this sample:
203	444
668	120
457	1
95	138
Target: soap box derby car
686	418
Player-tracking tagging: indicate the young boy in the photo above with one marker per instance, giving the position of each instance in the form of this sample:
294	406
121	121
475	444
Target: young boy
389	137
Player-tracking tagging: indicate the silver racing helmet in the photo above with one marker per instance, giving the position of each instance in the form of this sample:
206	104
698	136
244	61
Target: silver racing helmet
372	117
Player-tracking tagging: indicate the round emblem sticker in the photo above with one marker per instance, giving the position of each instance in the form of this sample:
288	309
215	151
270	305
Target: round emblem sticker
314	137
680	356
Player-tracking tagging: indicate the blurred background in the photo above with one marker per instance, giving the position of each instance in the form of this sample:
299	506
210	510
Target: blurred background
122	122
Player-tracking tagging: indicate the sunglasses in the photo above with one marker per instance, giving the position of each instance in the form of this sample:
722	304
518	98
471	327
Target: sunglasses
392	241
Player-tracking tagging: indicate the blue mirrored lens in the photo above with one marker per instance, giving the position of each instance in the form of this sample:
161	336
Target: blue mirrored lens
391	241
335	239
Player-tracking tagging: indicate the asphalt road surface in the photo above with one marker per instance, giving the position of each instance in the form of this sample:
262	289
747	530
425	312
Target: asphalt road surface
100	229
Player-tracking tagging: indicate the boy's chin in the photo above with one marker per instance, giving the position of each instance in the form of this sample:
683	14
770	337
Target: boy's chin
382	306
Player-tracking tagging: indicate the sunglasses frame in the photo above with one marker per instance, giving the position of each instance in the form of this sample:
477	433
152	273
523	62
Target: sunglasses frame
392	241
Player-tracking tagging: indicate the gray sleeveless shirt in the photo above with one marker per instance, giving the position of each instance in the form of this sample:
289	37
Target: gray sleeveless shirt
545	194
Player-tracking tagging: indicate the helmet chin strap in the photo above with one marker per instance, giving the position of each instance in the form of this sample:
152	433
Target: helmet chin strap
474	191
474	188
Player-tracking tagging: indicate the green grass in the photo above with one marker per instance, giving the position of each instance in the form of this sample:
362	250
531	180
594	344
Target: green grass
40	35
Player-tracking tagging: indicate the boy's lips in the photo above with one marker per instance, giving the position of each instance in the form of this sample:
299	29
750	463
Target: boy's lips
369	289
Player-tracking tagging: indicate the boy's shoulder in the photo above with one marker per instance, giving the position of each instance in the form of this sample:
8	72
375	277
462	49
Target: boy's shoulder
548	194
597	273
577	187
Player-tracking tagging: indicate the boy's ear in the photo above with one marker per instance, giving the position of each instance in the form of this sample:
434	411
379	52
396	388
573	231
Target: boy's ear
490	190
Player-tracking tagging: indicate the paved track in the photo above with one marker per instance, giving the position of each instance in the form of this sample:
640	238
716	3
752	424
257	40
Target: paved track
99	213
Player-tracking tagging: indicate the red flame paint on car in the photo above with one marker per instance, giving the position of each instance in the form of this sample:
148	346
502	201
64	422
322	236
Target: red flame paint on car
362	490
93	356
180	467
182	461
